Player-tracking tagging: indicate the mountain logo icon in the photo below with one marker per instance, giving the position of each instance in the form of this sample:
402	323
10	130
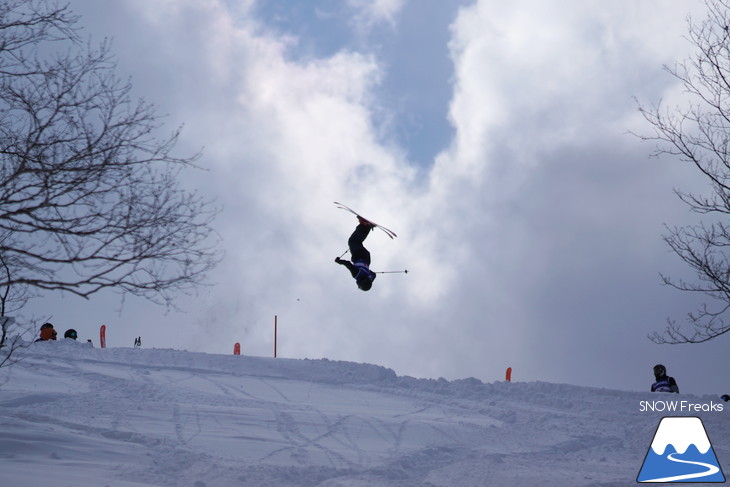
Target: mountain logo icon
681	452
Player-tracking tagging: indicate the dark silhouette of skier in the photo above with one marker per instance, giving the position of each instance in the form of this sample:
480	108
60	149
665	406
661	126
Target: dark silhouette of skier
360	265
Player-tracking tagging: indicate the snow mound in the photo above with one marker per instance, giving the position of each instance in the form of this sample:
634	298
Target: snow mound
73	415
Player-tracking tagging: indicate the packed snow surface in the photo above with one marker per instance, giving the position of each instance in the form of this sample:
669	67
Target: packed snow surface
73	415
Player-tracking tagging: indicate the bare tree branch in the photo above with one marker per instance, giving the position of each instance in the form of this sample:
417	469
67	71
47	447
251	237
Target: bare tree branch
89	195
699	134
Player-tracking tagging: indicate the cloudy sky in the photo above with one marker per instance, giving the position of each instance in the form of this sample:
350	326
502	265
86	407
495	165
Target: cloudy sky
491	136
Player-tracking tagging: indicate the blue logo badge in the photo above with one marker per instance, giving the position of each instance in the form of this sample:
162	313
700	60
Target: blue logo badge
680	452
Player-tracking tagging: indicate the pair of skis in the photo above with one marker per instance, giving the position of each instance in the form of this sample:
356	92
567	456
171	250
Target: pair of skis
387	231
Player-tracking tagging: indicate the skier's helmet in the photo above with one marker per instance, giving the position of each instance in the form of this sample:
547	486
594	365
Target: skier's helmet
365	284
71	333
659	371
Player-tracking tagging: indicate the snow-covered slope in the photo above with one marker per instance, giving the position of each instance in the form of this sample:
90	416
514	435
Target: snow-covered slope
72	415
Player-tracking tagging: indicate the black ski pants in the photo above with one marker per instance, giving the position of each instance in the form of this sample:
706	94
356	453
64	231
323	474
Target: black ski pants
357	250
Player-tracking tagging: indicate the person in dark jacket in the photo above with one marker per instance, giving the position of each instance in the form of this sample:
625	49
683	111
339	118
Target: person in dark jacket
360	265
663	382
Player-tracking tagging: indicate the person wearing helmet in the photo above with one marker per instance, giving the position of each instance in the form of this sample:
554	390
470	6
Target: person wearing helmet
360	265
71	333
663	382
47	333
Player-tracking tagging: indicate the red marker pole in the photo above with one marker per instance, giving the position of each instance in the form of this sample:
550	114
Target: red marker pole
237	349
275	326
508	376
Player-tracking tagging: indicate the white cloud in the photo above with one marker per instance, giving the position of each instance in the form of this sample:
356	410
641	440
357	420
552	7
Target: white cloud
372	12
539	213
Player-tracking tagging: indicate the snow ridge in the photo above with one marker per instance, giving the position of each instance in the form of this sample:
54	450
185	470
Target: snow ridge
72	415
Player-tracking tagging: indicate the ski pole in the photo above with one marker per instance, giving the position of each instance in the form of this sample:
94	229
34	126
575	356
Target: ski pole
343	253
393	272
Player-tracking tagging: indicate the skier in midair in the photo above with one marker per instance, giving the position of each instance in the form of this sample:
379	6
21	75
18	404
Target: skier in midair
360	265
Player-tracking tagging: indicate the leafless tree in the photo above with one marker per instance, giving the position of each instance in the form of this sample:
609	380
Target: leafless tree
12	298
698	133
89	193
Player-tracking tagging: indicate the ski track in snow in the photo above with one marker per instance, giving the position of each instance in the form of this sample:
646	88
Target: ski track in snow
72	415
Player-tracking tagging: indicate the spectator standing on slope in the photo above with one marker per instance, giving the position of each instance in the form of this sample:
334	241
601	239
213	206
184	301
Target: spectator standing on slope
663	382
47	333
